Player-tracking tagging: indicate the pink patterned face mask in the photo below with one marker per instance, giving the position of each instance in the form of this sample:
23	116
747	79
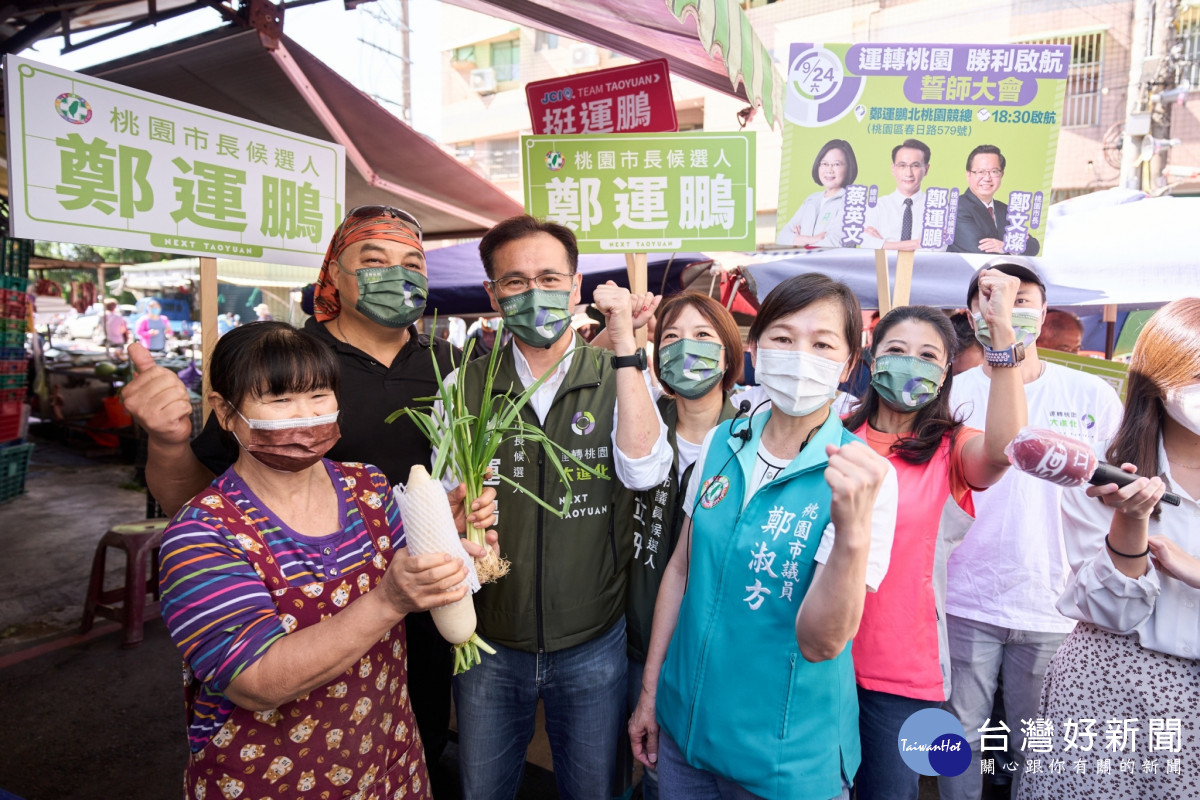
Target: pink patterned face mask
290	445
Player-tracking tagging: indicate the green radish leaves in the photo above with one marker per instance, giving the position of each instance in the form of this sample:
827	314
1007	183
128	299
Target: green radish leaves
466	442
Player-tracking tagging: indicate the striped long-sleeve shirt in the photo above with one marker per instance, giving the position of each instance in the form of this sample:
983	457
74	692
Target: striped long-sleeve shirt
218	610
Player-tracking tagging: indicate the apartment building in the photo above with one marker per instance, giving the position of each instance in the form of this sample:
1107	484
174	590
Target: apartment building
486	63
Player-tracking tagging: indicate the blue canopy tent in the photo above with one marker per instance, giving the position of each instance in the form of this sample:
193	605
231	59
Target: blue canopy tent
456	276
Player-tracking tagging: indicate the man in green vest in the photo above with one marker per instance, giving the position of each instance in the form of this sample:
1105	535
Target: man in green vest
557	619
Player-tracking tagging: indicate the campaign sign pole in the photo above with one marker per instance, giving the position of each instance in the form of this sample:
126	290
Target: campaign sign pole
635	266
208	322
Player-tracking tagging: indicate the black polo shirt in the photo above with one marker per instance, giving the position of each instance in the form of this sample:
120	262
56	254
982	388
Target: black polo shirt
370	392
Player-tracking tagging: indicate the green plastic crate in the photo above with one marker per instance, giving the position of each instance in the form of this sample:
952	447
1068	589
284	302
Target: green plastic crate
14	256
14	467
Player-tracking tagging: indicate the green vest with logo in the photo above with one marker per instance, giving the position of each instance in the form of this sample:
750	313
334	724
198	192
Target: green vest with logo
568	577
657	520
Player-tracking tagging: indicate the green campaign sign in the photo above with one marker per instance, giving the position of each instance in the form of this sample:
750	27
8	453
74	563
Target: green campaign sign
645	192
94	162
1114	373
877	139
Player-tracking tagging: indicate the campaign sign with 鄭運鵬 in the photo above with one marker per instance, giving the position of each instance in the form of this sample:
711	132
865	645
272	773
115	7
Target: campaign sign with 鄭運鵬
98	163
647	192
920	146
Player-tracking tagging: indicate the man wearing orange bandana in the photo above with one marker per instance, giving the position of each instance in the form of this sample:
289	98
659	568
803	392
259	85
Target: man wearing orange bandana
371	289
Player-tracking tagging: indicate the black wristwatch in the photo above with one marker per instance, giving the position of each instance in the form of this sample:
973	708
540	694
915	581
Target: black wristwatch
1011	357
638	359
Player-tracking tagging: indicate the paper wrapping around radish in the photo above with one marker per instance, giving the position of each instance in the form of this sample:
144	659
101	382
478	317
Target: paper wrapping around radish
429	523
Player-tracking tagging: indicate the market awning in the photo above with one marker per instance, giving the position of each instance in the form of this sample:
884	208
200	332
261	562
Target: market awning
708	41
230	70
181	271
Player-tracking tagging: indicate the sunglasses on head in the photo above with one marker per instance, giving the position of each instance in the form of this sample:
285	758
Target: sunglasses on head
368	212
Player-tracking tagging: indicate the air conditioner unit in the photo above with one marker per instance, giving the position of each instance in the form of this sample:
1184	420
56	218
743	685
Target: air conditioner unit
584	55
483	80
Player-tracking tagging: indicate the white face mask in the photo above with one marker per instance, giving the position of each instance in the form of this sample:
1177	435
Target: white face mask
798	383
1183	406
291	422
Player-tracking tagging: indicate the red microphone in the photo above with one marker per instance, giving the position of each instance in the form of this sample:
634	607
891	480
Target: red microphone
1068	462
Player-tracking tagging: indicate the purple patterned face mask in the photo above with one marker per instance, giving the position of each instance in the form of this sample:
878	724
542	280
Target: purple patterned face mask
290	445
537	317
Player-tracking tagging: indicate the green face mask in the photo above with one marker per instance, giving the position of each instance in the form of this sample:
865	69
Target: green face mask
391	296
691	367
537	317
906	383
1026	323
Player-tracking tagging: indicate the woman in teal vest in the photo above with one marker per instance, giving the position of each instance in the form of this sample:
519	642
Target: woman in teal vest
901	652
697	359
748	689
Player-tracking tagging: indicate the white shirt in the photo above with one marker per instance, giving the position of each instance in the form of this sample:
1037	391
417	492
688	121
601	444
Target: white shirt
1163	612
686	452
1012	566
887	217
883	517
636	473
817	214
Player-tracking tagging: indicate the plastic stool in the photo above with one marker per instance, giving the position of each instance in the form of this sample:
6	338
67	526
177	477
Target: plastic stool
140	541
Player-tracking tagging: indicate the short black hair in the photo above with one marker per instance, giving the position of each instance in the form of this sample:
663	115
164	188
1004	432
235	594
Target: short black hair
932	422
523	226
913	144
851	161
262	358
961	320
987	148
801	291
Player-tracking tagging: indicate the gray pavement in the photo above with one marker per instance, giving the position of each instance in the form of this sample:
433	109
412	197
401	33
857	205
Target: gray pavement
82	718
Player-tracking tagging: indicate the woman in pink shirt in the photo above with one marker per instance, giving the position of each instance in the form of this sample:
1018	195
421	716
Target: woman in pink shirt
901	660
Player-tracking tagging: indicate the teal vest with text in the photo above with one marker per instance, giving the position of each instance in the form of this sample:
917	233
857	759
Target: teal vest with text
735	693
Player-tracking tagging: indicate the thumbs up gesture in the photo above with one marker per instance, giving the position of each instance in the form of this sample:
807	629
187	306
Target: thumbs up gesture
157	399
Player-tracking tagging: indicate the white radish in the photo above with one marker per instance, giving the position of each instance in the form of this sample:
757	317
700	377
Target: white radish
429	528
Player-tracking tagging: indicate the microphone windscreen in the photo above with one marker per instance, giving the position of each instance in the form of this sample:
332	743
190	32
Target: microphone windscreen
1051	456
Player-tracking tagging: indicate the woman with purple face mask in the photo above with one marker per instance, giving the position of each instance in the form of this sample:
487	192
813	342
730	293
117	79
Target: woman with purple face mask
285	585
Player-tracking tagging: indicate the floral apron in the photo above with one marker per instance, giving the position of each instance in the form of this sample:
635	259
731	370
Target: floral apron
354	737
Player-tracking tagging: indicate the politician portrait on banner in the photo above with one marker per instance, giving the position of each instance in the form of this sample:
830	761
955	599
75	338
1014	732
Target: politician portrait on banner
920	146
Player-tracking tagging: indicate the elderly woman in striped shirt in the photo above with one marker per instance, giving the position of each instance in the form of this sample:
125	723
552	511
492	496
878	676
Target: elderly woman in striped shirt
285	585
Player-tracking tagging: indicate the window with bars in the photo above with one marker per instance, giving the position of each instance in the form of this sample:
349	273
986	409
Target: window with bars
1188	23
1082	106
506	60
